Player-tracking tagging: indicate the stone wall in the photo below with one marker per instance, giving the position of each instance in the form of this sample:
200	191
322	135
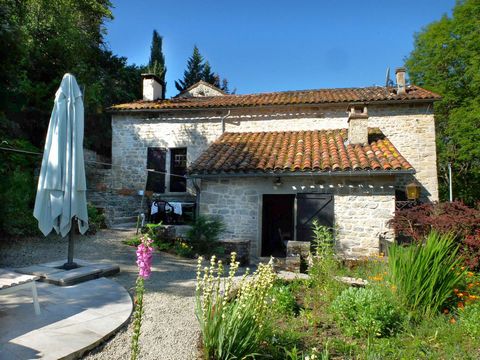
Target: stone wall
410	127
362	207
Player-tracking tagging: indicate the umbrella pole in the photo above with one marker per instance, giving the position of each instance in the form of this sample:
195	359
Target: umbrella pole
70	264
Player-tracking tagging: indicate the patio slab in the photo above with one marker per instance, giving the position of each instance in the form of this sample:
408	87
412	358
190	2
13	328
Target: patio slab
74	319
50	272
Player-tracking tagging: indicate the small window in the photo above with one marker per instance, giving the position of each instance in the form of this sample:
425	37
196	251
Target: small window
178	169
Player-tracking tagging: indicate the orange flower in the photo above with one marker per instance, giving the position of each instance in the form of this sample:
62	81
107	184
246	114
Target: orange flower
446	311
470	286
460	305
452	320
470	274
460	295
455	291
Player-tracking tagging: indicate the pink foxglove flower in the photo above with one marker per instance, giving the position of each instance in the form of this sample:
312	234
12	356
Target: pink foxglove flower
144	257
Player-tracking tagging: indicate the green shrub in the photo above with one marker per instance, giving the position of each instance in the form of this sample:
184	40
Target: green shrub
367	312
204	233
133	241
17	189
283	301
470	320
232	328
425	275
96	219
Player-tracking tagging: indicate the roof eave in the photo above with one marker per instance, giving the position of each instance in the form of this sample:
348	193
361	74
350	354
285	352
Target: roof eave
403	101
301	173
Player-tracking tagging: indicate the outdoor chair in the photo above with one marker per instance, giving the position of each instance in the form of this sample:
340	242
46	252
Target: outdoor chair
11	281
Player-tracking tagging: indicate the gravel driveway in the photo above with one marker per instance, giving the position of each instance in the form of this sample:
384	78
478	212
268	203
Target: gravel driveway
169	328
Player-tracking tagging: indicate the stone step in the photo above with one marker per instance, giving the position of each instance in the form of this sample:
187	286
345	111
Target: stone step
124	219
124	226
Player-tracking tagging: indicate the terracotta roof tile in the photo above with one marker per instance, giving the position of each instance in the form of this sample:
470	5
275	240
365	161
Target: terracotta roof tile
301	97
297	151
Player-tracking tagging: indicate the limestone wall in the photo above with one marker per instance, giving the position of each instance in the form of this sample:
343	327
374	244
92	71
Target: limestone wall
362	207
410	127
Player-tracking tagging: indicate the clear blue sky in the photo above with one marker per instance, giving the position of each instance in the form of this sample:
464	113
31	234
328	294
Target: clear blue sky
267	45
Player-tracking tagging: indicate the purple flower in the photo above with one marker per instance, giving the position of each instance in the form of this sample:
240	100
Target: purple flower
144	257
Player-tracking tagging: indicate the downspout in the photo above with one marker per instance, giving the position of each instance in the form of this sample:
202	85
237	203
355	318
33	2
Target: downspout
223	121
197	196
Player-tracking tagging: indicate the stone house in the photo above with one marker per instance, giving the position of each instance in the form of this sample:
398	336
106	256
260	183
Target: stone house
270	163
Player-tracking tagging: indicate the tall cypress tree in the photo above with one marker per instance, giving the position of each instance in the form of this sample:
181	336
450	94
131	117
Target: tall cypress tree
208	75
194	72
156	65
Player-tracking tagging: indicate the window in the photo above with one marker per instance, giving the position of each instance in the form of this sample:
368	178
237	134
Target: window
156	169
178	169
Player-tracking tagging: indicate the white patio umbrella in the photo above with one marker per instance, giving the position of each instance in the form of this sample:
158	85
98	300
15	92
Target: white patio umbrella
61	191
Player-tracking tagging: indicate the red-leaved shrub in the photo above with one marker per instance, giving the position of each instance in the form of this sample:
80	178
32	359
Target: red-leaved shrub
455	217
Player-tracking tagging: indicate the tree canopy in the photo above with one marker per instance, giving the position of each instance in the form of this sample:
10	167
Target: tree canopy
198	70
446	60
39	42
156	64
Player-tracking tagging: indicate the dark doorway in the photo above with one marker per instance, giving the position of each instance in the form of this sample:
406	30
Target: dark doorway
156	165
310	207
277	224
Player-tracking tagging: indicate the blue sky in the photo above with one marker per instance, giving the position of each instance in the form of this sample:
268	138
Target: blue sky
266	45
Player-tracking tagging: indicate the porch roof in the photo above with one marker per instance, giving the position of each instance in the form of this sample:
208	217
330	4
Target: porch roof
318	152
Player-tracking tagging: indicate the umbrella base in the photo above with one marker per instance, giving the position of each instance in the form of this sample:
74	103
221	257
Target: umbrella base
70	265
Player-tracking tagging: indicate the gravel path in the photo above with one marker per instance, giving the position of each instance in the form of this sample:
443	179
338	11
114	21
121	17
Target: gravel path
169	328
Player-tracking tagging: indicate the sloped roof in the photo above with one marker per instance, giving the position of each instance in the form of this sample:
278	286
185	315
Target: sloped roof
298	151
301	97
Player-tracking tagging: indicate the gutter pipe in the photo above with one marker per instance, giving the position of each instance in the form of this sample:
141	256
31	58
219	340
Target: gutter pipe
296	174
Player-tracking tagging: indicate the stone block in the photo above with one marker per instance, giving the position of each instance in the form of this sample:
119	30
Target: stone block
241	247
292	263
301	248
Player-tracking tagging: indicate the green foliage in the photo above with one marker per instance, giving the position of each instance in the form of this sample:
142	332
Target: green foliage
232	327
426	274
133	241
470	320
137	318
445	59
204	233
156	65
323	239
96	219
282	299
367	312
198	70
17	190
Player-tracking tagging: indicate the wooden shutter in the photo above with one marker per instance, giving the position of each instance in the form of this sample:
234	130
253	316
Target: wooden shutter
156	160
310	207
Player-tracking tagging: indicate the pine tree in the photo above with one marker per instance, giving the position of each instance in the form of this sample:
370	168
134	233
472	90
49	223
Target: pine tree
208	76
156	65
194	72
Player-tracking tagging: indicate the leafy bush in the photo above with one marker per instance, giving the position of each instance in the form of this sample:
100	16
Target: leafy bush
425	275
96	219
283	301
367	312
470	320
17	190
232	328
204	233
449	217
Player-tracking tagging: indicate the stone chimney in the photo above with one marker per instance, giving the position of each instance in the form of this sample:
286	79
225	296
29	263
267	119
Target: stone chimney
358	124
152	87
400	75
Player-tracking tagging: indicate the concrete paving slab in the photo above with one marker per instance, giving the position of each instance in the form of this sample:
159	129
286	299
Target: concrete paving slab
50	272
65	329
74	276
38	270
